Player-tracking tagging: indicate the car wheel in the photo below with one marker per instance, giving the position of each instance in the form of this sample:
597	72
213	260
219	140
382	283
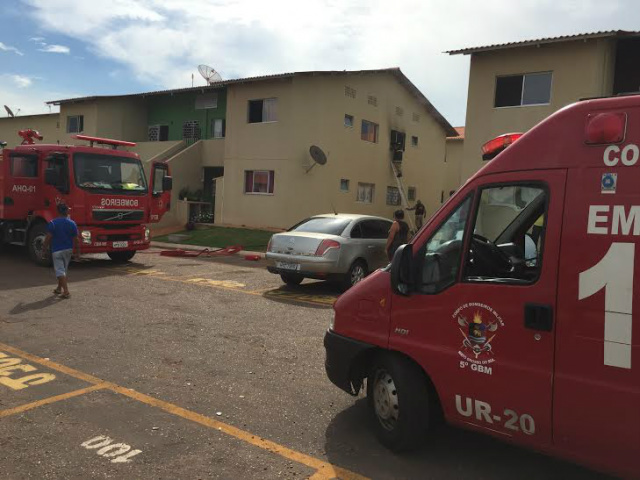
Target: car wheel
121	257
356	274
291	279
37	252
398	402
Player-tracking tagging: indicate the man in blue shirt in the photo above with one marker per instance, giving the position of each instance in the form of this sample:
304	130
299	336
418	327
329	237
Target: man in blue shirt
63	237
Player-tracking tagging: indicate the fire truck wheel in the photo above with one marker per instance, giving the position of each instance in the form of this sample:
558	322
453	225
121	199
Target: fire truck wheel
121	257
397	396
36	248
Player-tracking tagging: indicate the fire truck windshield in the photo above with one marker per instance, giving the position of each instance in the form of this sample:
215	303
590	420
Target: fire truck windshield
109	172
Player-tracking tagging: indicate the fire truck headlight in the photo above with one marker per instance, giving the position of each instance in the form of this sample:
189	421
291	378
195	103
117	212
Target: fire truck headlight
147	234
86	236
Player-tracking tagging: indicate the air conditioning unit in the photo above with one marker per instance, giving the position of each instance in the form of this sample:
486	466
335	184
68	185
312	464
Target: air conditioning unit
397	140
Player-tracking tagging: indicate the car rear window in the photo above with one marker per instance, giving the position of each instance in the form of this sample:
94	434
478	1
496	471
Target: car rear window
330	226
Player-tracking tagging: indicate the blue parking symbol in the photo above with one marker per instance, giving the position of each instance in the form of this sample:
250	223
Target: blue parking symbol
609	182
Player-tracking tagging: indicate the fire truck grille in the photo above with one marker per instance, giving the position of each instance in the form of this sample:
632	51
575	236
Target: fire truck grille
118	215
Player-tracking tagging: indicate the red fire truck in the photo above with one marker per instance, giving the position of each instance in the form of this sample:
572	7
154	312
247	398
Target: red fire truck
105	188
515	310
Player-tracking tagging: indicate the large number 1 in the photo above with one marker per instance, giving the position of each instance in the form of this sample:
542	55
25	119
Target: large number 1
614	273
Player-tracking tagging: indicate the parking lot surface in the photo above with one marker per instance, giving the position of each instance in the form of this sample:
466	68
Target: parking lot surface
171	368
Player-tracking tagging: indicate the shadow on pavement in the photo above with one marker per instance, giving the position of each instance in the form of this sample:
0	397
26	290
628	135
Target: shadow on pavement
22	307
18	271
316	294
449	453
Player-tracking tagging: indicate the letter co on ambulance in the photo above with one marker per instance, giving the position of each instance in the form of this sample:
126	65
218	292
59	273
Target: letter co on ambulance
515	310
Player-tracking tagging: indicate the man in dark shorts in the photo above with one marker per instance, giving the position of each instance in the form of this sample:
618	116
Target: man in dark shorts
63	237
420	213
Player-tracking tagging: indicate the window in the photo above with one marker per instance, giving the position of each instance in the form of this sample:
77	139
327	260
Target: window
411	194
376	229
159	172
328	225
399	111
393	196
372	100
369	131
191	130
261	111
528	89
443	252
416	117
349	92
344	185
414	141
24	166
348	120
365	192
75	124
259	181
59	164
508	235
218	128
206	101
158	133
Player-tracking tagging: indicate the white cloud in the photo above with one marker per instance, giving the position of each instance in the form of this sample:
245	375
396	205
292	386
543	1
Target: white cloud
54	49
22	81
162	41
8	48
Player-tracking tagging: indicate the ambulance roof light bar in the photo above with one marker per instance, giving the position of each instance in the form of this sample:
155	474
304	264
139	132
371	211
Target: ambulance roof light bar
493	147
104	141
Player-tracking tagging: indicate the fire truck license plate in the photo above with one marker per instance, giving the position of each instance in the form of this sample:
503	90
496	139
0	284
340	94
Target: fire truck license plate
120	244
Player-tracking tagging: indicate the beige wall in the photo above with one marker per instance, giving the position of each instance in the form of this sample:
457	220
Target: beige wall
453	165
580	69
213	152
47	125
149	151
311	111
122	119
90	121
186	170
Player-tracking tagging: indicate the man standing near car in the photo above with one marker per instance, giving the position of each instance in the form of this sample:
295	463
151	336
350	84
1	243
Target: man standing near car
62	235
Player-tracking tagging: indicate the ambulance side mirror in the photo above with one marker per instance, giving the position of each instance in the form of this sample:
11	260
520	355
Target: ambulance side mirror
401	272
167	183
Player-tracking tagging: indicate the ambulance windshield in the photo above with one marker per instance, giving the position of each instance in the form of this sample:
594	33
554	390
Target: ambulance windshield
109	172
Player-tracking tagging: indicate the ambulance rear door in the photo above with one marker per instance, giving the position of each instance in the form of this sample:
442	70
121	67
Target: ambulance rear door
597	369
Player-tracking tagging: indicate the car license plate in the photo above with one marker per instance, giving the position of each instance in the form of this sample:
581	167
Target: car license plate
288	266
120	244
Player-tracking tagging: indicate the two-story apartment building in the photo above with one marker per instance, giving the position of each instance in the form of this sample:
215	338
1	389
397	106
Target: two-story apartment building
513	86
245	143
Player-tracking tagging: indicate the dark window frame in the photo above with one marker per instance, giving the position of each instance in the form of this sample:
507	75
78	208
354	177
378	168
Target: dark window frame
271	180
33	158
80	123
522	91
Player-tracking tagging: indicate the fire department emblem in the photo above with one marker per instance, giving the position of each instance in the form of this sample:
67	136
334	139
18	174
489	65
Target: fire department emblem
478	325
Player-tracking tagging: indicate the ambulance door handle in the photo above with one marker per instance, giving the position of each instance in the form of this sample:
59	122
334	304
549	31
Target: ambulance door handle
538	317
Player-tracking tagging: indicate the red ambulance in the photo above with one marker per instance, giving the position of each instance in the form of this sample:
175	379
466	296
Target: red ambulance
512	311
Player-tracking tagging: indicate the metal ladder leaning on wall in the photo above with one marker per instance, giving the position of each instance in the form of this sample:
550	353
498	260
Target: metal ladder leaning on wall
403	196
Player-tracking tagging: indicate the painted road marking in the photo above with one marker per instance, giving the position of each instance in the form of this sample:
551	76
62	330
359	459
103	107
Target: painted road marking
121	451
8	367
324	470
47	401
323	300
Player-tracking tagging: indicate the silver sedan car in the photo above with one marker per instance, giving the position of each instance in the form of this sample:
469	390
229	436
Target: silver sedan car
337	247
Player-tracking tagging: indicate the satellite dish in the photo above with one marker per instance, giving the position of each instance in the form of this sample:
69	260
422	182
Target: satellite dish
9	111
318	156
209	74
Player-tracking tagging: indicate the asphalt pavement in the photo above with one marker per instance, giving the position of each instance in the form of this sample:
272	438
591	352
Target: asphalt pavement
174	367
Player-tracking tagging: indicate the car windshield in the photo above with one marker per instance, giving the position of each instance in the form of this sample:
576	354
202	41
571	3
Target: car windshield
109	172
330	226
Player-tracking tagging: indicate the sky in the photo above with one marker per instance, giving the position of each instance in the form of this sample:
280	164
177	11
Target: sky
54	49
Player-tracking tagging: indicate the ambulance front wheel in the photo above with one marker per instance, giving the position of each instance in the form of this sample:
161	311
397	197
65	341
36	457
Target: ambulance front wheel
398	401
121	257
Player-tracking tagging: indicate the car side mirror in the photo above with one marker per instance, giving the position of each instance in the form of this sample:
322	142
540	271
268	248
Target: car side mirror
51	177
402	282
167	183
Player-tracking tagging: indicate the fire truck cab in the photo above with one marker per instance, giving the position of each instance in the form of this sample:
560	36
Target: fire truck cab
515	310
105	188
